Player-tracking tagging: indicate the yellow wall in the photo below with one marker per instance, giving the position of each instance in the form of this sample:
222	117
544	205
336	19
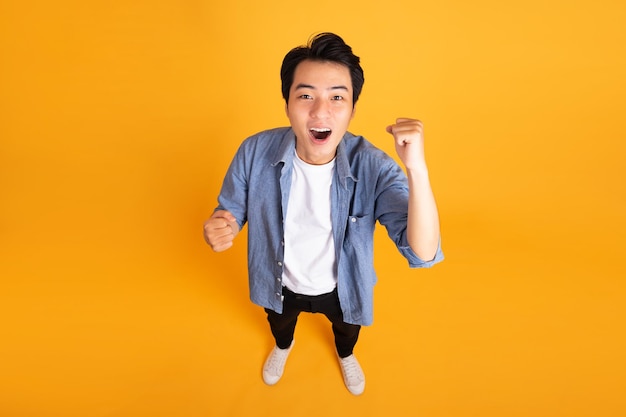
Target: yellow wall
118	120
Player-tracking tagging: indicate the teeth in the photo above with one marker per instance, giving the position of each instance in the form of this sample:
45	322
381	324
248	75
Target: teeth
320	133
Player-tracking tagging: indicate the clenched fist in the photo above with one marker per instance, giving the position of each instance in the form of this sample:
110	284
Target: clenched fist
220	230
409	140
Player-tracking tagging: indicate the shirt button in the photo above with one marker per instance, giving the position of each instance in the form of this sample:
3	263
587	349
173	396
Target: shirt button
353	219
280	263
277	294
278	279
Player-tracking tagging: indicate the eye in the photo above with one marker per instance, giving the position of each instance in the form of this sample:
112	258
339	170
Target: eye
305	96
337	98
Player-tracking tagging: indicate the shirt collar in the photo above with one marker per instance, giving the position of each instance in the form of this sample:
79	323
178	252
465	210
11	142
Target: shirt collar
286	148
342	164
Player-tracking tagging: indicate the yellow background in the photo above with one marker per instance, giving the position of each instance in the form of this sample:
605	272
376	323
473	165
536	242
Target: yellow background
118	120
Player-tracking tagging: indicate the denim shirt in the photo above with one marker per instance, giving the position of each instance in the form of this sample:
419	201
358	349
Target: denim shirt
367	186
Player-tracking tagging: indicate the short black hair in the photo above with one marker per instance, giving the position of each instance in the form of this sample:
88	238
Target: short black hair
323	47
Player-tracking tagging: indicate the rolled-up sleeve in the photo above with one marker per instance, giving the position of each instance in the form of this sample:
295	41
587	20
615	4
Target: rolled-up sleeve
417	262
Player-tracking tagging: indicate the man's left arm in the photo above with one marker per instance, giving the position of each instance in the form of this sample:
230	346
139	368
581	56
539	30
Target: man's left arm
423	218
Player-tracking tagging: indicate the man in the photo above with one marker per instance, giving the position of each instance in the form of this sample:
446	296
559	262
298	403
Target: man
311	195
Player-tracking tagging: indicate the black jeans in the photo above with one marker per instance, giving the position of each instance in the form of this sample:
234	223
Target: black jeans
283	325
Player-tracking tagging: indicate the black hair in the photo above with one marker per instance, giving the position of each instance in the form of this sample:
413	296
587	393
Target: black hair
323	47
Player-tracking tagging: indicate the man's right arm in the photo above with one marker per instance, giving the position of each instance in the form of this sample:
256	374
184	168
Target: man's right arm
220	230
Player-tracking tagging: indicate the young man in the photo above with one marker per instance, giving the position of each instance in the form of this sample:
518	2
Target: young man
311	195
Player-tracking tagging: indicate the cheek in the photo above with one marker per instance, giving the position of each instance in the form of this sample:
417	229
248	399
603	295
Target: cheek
346	116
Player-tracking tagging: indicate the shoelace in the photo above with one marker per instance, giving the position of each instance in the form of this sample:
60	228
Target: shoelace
352	370
277	361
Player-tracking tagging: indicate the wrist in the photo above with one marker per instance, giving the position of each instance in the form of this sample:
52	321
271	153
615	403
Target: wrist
419	173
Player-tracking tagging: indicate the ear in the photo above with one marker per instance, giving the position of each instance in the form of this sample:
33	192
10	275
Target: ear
287	108
353	112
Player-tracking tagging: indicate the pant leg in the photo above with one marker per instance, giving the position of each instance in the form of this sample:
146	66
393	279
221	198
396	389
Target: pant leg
283	326
346	334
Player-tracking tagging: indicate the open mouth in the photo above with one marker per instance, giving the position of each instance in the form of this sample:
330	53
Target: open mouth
320	133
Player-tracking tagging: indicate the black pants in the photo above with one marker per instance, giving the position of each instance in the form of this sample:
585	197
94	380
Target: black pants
283	325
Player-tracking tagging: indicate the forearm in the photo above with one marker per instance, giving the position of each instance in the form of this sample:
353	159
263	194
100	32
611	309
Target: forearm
423	217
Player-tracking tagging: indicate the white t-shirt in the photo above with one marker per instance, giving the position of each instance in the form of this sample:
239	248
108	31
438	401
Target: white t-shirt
309	264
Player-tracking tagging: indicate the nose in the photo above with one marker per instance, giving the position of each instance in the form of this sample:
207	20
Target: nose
320	109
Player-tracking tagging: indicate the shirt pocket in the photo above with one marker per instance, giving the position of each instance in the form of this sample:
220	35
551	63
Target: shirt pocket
360	234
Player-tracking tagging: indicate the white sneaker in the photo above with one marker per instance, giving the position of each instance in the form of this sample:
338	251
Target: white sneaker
353	375
275	364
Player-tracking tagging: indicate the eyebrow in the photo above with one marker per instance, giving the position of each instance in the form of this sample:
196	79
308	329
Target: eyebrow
335	87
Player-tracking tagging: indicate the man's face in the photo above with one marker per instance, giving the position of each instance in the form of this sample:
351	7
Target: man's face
320	109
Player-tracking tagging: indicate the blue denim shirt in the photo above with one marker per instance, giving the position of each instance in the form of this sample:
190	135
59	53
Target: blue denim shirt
367	186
